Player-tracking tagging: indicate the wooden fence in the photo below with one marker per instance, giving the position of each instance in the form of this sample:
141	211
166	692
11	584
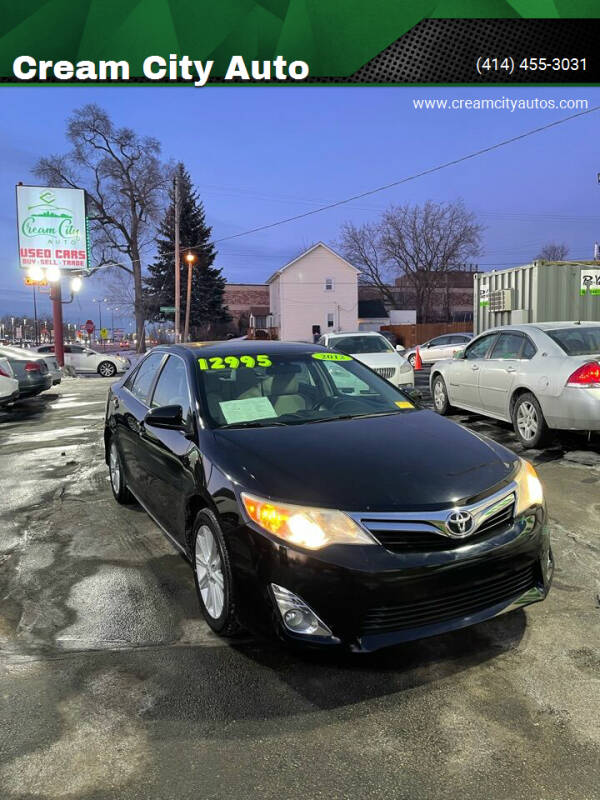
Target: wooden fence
410	335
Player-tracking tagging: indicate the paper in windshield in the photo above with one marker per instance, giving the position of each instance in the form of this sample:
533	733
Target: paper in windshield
247	410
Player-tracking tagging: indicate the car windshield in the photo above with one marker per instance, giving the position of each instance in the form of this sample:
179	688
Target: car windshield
358	345
577	341
256	390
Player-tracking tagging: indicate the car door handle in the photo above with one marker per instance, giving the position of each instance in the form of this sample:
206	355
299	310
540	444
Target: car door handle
511	369
474	367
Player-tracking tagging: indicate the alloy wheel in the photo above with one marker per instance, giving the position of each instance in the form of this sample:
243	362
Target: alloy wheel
106	369
527	420
209	571
439	395
114	468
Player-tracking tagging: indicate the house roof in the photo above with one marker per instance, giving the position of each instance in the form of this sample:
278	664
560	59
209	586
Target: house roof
371	309
305	253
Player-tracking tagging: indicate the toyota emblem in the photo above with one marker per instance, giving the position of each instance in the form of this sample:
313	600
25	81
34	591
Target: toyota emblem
459	524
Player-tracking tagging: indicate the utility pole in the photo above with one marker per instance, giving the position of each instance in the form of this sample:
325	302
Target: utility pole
35	319
56	297
177	264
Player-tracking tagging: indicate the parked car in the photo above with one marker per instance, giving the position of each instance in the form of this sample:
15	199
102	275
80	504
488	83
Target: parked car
330	517
376	352
31	373
537	376
84	359
9	385
51	362
440	347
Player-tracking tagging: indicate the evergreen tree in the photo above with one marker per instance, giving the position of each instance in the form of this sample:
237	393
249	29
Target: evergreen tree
207	312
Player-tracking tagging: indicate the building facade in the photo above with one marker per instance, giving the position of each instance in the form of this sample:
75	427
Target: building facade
314	293
246	301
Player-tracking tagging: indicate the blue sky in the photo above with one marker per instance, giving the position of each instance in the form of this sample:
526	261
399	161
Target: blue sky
259	154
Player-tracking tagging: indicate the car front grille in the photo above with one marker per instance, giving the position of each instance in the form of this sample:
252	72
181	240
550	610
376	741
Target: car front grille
386	372
417	541
457	602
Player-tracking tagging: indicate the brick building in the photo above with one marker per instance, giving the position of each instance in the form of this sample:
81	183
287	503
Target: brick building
450	301
244	299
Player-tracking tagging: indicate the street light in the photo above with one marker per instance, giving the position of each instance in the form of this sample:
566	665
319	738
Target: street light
53	274
190	258
75	284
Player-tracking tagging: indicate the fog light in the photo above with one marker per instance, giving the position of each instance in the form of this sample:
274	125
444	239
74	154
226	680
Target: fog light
297	616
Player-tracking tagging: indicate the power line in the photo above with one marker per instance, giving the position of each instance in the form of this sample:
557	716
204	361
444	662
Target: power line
421	174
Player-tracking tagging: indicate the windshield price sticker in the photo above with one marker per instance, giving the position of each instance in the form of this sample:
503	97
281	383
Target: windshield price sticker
404	404
233	362
331	357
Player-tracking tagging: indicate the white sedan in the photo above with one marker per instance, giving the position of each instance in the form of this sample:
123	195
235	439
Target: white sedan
84	359
9	385
376	352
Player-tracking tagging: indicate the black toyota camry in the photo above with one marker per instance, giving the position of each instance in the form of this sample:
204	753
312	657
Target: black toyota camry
316	500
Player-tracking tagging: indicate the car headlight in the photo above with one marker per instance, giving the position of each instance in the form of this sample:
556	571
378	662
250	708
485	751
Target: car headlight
529	488
305	526
405	366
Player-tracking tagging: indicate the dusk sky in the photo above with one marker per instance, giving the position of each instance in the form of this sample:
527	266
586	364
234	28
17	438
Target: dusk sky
258	155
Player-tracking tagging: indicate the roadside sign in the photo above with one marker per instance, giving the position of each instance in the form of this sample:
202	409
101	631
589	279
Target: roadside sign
168	309
52	228
103	333
590	281
89	326
30	282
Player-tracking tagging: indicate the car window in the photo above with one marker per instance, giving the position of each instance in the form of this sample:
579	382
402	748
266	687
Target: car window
441	340
68	349
142	383
480	347
45	349
361	344
508	345
528	348
458	339
292	389
172	386
76	349
577	341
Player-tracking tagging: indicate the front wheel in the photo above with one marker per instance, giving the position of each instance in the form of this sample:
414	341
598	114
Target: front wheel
213	577
107	369
528	421
440	396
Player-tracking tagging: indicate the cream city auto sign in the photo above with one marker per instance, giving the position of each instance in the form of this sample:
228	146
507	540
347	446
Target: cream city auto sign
52	228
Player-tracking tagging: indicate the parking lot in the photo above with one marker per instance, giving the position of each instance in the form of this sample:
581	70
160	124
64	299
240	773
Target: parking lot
112	686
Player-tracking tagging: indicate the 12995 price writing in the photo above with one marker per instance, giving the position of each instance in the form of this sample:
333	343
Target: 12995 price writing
508	65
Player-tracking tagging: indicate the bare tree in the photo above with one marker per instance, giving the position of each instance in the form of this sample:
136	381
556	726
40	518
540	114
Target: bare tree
361	246
126	188
424	242
553	251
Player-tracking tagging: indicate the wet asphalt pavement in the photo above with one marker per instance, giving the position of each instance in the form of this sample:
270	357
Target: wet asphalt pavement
111	686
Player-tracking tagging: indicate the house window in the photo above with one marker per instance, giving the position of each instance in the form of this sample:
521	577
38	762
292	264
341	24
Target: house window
330	319
328	284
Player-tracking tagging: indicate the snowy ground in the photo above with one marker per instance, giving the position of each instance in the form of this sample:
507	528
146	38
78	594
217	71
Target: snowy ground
112	687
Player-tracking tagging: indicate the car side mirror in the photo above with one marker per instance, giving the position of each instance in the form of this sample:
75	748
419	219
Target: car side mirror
413	394
458	354
169	417
399	348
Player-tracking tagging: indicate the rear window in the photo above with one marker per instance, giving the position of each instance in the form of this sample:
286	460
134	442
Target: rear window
577	341
355	345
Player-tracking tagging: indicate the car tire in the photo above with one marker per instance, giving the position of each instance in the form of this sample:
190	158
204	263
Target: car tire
107	369
412	359
213	575
528	421
440	396
117	477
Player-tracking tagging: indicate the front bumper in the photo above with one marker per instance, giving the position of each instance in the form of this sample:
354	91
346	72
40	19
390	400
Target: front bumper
372	598
9	398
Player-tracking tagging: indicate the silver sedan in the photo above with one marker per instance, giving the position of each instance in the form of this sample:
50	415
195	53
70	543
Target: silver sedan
538	376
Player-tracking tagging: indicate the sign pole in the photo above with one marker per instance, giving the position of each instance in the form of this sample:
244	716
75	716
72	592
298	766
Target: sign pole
56	297
177	263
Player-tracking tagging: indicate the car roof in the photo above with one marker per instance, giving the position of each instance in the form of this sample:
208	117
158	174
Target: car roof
355	333
525	327
231	348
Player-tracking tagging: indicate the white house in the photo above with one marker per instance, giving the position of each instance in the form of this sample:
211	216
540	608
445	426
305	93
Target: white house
315	293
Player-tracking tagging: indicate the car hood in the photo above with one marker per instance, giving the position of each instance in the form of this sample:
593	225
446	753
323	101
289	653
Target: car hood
410	461
375	360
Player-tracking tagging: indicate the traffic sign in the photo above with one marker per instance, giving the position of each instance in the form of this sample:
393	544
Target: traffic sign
168	309
103	333
89	326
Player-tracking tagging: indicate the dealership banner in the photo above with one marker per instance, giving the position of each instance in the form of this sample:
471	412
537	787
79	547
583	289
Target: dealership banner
52	228
290	42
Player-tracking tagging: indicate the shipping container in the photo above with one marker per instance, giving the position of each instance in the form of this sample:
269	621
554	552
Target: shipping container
540	292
